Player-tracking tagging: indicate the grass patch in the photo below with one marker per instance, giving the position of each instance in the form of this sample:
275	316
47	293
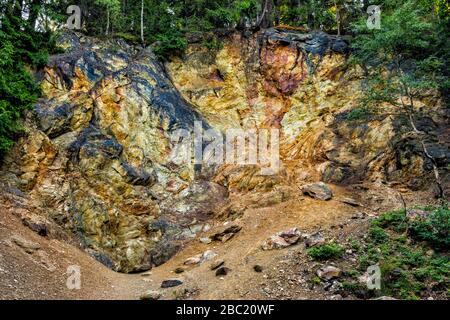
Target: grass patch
326	252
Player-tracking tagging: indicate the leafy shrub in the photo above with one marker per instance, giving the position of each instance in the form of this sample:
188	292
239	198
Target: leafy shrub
221	17
355	288
326	251
395	220
378	235
170	43
213	45
434	229
354	244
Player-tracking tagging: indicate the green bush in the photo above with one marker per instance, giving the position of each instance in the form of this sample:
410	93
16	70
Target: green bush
434	229
378	235
326	252
353	288
395	220
170	43
213	44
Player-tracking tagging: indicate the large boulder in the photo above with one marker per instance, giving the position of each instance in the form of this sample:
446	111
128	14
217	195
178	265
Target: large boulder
318	191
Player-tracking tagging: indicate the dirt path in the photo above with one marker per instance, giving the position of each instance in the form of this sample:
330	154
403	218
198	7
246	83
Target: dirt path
243	251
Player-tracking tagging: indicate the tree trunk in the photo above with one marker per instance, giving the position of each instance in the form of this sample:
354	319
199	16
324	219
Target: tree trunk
142	23
338	18
107	22
265	21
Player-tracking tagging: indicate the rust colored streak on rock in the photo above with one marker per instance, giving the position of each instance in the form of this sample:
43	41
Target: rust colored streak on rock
283	69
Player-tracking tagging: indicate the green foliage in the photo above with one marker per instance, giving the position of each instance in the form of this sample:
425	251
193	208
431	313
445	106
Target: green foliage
408	271
354	245
395	220
128	37
434	229
169	43
378	235
403	30
316	280
399	246
112	12
352	287
213	44
406	57
326	252
113	5
20	49
360	113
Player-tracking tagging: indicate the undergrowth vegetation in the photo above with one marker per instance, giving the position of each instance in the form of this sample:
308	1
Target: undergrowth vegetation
411	250
326	251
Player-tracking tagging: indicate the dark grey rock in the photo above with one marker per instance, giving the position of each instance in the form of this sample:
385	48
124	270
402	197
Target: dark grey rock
54	120
317	42
102	258
138	177
39	227
179	270
258	268
340	46
217	264
439	154
222	271
170	283
226	234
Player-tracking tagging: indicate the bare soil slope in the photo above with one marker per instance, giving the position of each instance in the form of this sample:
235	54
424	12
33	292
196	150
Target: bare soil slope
35	267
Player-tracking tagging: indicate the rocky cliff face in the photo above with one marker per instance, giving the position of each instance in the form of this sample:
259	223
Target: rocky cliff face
96	156
303	85
96	160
